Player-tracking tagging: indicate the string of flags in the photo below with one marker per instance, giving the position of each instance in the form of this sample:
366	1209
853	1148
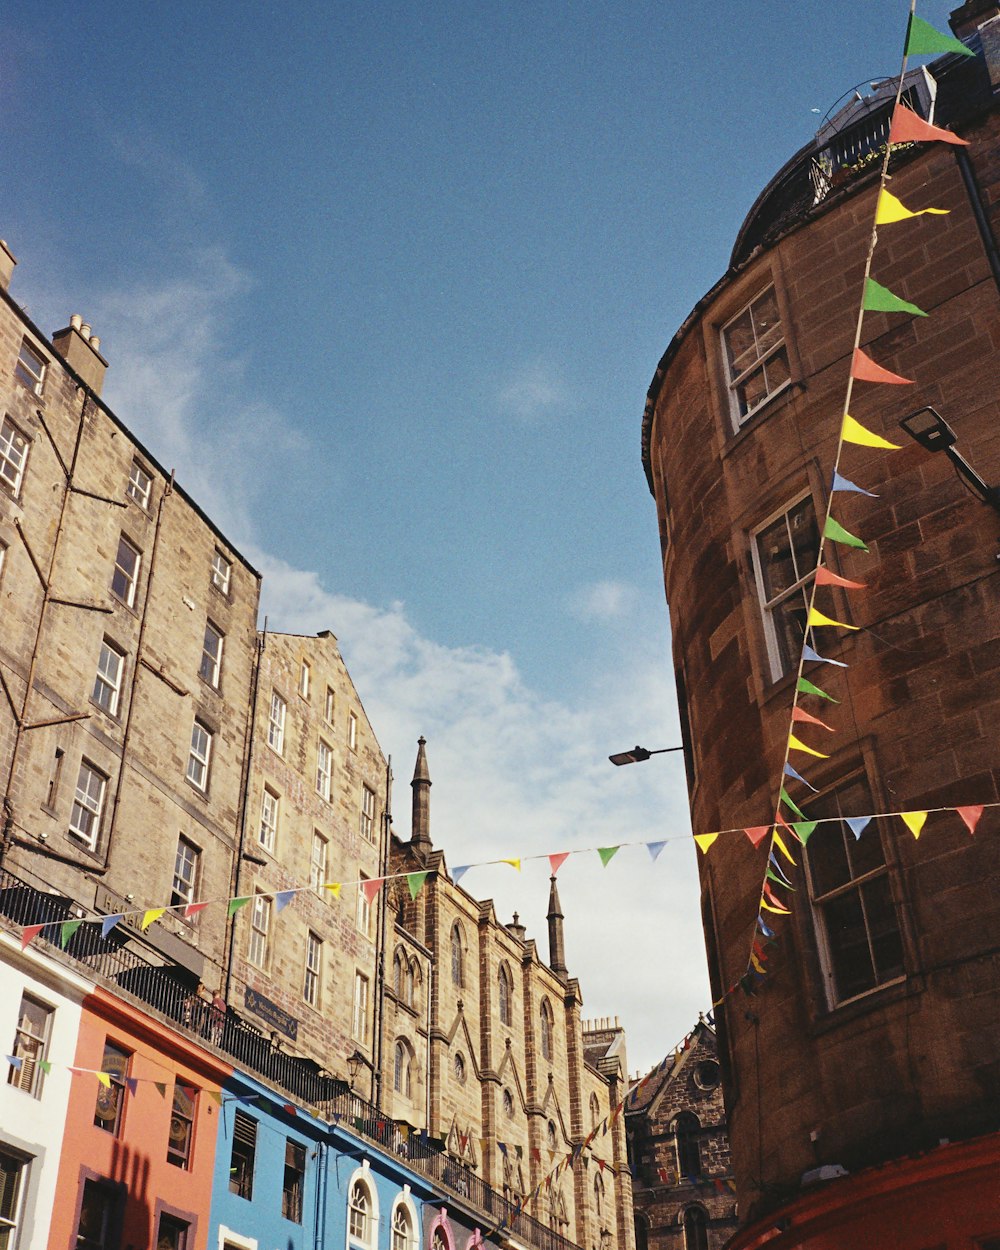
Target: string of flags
790	820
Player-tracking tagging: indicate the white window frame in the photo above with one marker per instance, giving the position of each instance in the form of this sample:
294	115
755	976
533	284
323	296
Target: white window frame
329	705
108	679
402	1068
317	859
367	819
31	378
139	486
772	351
352	731
305	679
367	1237
313	978
363	917
31	1047
258	945
768	607
14	447
130	578
222	572
21	1163
88	804
403	1235
187	865
270	818
200	755
276	717
210	669
359	1021
324	770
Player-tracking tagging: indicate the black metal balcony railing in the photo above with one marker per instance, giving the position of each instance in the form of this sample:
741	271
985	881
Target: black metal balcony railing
157	987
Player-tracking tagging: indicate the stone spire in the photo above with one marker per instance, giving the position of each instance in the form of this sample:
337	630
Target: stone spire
557	951
420	823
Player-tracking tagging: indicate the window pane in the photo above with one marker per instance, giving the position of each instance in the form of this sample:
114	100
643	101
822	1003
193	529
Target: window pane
887	943
13	454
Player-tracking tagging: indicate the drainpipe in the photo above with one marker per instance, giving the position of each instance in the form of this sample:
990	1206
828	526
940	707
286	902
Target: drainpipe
978	211
380	953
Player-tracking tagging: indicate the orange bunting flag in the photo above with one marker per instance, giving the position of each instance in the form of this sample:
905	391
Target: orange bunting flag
914	821
971	815
799	714
825	578
557	861
757	833
816	618
795	745
890	209
854	432
705	841
864	369
907	127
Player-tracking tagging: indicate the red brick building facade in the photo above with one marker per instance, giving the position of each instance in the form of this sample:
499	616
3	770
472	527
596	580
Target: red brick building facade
873	1038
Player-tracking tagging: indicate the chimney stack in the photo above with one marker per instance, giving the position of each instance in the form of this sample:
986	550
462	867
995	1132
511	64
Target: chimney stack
79	348
7	262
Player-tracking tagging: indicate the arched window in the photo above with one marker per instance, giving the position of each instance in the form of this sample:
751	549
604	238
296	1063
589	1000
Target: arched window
397	974
439	1241
686	1128
457	957
402	1069
641	1232
550	1134
508	1104
408	988
598	1196
695	1229
402	1227
361	1222
595	1111
545	1022
504	996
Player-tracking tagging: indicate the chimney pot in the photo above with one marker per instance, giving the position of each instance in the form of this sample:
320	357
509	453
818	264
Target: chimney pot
76	321
85	331
95	342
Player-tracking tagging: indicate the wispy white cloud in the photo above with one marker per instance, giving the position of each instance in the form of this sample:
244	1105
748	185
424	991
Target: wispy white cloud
605	601
533	390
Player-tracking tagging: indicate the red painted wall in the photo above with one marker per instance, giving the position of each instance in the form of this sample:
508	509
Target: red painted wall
135	1160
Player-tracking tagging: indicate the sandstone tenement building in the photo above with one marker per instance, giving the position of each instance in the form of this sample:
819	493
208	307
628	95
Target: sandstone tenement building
862	1077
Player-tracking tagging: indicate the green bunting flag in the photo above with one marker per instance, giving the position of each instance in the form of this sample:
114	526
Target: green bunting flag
66	931
836	533
805	686
235	904
786	798
415	880
607	854
881	299
923	39
804	829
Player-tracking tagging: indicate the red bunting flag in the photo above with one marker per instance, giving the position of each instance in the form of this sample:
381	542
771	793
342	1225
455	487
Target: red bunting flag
825	578
29	933
908	127
557	861
864	369
799	714
193	909
371	888
971	815
757	833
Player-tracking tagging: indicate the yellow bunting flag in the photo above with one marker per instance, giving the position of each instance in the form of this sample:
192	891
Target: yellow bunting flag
514	863
854	432
795	745
781	847
778	911
333	887
104	1078
705	841
914	821
148	917
891	209
817	618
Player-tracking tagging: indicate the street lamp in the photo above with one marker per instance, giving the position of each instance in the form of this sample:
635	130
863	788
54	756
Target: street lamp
639	754
354	1065
927	427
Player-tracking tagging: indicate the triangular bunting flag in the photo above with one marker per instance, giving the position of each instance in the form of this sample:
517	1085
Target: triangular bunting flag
757	833
654	849
841	483
771	875
804	686
371	888
836	533
879	298
804	829
607	854
923	39
705	841
132	1085
809	654
914	821
45	1065
216	1096
907	127
148	917
282	898
15	1061
795	745
29	933
415	882
66	931
104	1078
971	815
790	772
825	578
333	887
193	909
786	798
160	1088
557	861
778	911
890	209
768	933
236	903
109	922
857	824
458	873
782	848
854	432
799	715
864	369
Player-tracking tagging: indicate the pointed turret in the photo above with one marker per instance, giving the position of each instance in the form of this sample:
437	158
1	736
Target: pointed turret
420	823
557	951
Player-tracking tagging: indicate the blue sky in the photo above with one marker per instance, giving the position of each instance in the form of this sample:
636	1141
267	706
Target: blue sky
387	283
